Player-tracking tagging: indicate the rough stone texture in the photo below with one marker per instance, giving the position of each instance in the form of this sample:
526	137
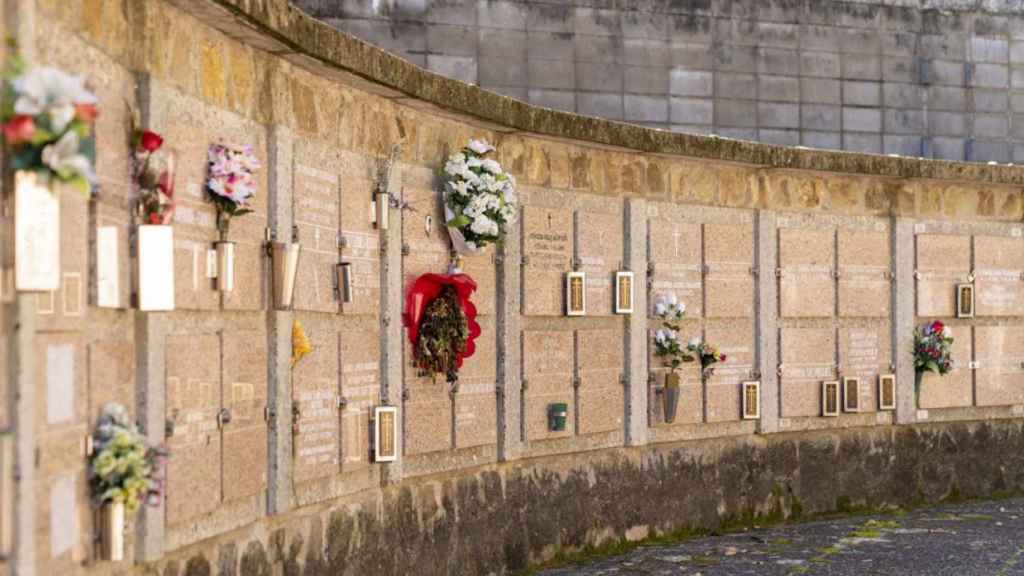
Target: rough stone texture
505	517
708	67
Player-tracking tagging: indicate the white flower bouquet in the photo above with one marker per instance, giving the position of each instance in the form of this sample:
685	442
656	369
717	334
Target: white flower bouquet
47	118
479	198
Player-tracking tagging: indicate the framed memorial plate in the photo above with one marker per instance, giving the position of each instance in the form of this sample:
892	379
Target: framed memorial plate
576	294
887	392
36	234
851	394
385	434
623	292
751	400
965	300
830	398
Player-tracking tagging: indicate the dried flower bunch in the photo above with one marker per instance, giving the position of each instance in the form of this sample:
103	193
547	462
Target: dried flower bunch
124	468
479	198
443	332
154	175
47	117
708	354
231	183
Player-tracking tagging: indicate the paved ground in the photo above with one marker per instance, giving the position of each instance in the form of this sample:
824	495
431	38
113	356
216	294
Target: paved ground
974	539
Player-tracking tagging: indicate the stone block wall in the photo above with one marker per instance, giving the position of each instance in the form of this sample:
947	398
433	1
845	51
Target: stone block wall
932	79
802	265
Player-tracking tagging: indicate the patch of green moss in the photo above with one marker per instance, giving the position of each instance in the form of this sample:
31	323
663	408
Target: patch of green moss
865	533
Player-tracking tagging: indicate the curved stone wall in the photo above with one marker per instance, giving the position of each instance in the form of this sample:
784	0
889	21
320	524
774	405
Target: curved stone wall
803	265
934	79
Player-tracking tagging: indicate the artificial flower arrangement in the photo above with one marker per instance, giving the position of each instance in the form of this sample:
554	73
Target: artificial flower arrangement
667	346
124	468
708	354
47	117
933	352
231	183
154	175
441	320
479	198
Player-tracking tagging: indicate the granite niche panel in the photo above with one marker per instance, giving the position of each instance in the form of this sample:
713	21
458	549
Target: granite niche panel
999	275
360	389
361	238
942	262
317	209
315	424
864	274
729	258
193	400
676	255
1000	374
955	389
808	358
600	255
806	258
476	408
735	339
244	395
599	357
548	373
548	252
865	352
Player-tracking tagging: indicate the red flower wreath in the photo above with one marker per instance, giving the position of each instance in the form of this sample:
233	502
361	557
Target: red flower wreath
428	287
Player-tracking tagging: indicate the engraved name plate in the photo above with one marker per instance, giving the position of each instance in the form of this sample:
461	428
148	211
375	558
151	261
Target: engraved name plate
36	235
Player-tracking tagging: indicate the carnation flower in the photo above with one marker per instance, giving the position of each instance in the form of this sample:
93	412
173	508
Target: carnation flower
491	166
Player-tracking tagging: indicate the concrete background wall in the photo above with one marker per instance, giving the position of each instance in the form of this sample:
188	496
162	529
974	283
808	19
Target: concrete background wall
934	79
803	265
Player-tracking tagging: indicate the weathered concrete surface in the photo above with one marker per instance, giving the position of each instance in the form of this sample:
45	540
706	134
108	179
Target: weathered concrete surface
511	516
956	540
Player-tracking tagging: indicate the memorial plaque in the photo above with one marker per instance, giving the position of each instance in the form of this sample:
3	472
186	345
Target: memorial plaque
864	274
547	371
108	273
942	262
476	403
806	258
965	300
954	389
37	233
999	275
360	387
624	292
245	396
193	400
385	434
751	400
729	257
599	357
808	358
600	254
864	353
316	444
1000	375
576	294
317	219
887	392
548	251
60	383
675	254
156	268
736	341
851	395
362	248
830	398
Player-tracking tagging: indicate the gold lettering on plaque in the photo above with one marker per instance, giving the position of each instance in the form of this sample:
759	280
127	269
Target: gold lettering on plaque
830	398
851	394
965	300
751	400
887	392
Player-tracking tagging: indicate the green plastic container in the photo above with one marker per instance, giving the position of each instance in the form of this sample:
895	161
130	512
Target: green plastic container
557	414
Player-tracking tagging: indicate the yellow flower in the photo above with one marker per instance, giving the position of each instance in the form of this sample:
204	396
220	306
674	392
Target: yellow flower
300	344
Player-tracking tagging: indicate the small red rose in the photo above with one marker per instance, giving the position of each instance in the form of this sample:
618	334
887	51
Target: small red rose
86	112
722	358
19	129
150	141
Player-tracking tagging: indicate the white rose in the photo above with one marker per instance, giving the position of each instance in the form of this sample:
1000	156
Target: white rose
695	342
659	309
474	162
946	332
491	166
479	146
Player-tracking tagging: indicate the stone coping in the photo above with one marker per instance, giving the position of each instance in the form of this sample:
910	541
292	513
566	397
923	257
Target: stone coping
279	27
